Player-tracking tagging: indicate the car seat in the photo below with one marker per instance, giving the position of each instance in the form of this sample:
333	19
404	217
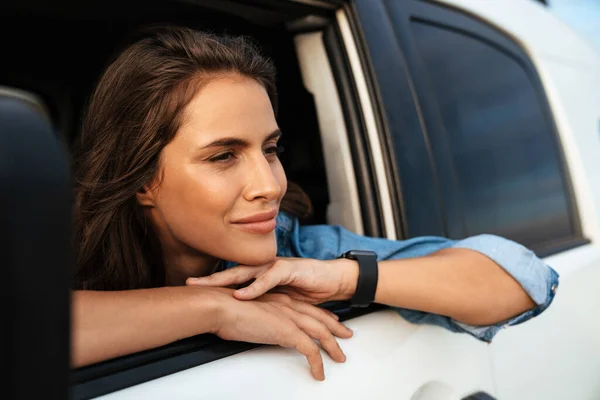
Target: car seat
35	209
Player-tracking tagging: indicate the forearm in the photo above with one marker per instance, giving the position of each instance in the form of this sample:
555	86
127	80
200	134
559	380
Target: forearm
460	283
112	324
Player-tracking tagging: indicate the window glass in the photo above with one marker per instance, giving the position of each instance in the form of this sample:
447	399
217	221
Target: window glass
505	161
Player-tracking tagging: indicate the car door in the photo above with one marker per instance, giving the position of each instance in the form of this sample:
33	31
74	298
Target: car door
508	103
558	355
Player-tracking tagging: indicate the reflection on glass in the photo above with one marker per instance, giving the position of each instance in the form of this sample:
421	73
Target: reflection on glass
505	161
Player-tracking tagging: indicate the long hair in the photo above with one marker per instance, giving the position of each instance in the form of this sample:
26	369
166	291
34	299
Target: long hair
133	113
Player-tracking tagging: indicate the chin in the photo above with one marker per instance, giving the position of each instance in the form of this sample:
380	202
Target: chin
246	249
258	257
257	254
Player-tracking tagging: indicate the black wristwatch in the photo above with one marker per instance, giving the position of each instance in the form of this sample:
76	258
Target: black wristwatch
368	274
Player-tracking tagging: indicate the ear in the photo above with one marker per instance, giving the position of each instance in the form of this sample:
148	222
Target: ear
146	196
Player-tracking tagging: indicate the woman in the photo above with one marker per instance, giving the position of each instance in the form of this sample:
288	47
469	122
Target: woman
178	171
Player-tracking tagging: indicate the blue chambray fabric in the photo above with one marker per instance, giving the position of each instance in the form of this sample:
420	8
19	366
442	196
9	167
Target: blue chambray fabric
326	242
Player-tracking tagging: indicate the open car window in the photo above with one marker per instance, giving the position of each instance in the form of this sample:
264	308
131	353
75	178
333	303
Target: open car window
59	91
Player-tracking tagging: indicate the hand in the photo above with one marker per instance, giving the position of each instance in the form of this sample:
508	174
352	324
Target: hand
278	319
305	279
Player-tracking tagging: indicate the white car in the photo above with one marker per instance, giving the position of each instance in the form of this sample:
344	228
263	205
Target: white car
402	118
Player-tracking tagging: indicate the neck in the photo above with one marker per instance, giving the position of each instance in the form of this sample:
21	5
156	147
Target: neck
180	261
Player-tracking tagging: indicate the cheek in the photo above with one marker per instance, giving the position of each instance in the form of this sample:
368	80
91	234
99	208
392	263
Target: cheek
279	174
189	196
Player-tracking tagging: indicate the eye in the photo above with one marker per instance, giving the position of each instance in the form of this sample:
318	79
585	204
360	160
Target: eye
274	150
222	157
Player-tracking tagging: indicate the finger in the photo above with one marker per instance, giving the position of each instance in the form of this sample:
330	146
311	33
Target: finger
235	275
295	294
331	314
263	283
292	336
315	329
332	323
306	346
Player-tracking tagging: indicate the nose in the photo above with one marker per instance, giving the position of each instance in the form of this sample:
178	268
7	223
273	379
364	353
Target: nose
262	182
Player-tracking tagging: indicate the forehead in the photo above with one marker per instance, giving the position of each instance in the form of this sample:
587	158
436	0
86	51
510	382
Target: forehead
232	105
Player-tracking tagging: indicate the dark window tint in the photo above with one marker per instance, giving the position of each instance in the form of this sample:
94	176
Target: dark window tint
505	160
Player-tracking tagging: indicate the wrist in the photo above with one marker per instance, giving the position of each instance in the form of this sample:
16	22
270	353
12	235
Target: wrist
208	309
349	277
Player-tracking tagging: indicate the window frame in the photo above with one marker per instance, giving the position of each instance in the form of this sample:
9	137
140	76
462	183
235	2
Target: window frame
400	117
372	220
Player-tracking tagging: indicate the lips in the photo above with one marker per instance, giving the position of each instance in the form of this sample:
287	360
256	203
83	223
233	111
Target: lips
261	223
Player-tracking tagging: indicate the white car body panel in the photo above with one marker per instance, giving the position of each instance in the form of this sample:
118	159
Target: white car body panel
388	358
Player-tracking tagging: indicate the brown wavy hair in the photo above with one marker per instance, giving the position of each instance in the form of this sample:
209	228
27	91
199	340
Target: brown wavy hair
133	113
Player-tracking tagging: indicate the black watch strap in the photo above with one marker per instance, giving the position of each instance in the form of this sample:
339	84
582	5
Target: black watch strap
368	275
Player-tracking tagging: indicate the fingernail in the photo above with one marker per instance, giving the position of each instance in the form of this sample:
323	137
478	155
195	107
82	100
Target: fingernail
241	291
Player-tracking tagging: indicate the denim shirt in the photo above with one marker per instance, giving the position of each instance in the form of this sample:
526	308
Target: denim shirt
325	242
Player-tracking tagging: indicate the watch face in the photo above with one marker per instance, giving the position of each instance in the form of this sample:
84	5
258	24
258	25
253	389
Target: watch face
355	253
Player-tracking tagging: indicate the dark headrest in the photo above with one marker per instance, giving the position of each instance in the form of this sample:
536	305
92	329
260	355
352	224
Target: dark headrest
35	256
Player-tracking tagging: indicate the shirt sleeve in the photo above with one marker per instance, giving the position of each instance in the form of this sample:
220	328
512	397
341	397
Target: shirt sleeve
326	242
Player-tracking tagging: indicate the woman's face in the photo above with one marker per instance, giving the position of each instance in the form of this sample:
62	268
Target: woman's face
221	181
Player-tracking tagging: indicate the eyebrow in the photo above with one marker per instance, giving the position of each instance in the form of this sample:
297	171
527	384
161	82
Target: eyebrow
237	142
